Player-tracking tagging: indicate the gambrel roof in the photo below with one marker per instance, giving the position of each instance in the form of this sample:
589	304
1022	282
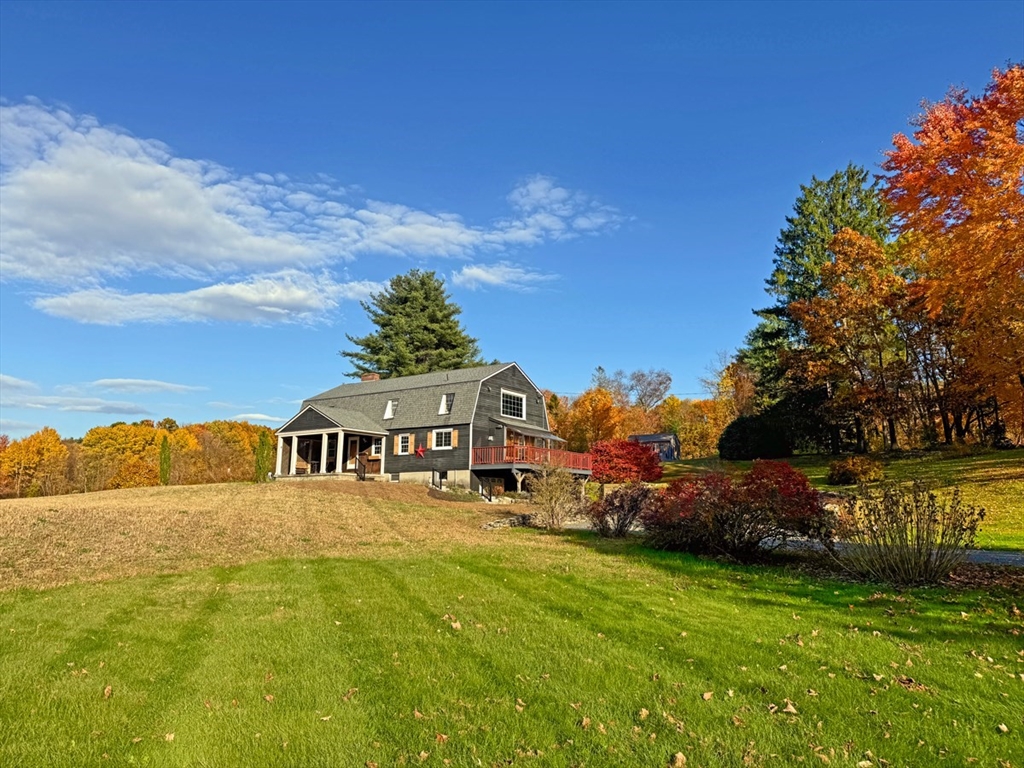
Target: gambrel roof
360	406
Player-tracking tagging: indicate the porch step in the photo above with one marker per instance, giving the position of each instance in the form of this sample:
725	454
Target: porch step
347	477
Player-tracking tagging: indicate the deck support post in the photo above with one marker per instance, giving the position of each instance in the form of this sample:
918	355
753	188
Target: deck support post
323	452
339	463
280	455
293	455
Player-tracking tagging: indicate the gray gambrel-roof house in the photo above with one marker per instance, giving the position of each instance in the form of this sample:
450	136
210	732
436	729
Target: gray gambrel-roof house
477	427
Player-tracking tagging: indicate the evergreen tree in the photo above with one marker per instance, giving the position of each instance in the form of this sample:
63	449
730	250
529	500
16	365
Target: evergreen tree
165	461
264	457
418	330
847	199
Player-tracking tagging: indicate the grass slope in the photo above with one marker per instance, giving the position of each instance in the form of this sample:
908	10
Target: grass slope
227	637
994	481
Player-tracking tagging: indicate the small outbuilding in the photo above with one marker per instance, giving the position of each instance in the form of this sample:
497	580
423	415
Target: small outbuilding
666	445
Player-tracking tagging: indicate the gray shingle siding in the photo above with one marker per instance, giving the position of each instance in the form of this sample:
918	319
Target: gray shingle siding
489	405
442	459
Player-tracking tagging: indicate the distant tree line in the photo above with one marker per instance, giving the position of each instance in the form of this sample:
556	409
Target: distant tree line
145	453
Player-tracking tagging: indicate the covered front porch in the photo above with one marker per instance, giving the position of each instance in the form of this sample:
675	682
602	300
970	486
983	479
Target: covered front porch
318	443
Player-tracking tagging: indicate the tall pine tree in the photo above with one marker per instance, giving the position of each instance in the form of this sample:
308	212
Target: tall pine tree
418	330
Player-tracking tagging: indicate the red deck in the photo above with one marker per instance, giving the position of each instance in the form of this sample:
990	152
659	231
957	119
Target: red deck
527	454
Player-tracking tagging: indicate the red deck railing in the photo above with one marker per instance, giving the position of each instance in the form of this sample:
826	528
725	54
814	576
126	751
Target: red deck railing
528	454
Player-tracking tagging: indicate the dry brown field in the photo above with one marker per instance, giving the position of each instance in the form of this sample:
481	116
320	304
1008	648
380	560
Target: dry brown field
47	542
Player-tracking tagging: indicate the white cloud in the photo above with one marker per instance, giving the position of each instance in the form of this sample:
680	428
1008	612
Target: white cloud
10	383
142	385
12	425
282	297
81	201
501	275
64	403
89	205
256	417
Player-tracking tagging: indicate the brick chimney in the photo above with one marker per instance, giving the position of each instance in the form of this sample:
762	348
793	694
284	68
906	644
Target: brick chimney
370	377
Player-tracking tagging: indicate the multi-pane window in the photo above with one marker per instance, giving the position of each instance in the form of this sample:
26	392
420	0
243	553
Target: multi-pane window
442	438
446	404
513	405
403	444
391	409
378	446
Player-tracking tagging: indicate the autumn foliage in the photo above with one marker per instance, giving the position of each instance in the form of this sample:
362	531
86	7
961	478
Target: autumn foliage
131	456
711	514
624	461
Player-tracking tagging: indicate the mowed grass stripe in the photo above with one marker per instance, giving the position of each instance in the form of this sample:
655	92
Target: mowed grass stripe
501	689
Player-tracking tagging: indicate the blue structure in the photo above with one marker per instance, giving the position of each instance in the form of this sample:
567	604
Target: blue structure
665	445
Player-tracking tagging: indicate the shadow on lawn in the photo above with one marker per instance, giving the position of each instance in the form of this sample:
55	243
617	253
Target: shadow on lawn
815	584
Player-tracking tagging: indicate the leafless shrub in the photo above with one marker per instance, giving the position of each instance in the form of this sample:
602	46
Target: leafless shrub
556	494
908	537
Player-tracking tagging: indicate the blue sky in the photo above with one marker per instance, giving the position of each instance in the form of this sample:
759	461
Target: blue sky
195	196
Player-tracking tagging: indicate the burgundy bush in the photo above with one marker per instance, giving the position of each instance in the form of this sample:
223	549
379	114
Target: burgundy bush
712	515
615	514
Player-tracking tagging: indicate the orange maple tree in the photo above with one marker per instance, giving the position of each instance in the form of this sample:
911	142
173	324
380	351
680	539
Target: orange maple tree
955	188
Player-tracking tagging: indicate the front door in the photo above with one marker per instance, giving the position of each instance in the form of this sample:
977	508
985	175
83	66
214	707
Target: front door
353	453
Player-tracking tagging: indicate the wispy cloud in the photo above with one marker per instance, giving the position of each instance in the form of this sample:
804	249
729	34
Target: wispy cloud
90	205
256	417
65	403
12	384
142	385
501	275
12	425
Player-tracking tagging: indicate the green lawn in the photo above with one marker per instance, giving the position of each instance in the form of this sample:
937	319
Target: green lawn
993	480
537	651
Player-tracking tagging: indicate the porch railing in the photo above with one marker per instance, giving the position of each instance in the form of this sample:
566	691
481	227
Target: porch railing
529	454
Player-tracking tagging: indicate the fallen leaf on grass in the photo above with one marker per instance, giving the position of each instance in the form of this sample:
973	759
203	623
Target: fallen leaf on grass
790	709
423	756
643	714
168	737
349	694
707	695
441	738
585	723
1002	728
456	626
325	718
136	740
678	760
269	698
108	692
417	714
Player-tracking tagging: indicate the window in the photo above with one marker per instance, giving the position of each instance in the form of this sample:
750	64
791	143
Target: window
391	409
378	446
443	439
403	445
446	404
513	405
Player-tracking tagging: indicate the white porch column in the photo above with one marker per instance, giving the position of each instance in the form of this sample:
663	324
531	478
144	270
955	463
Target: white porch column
280	454
339	465
294	454
323	452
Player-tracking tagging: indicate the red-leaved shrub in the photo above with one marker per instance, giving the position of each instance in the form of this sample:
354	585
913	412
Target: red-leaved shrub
623	461
712	515
616	513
